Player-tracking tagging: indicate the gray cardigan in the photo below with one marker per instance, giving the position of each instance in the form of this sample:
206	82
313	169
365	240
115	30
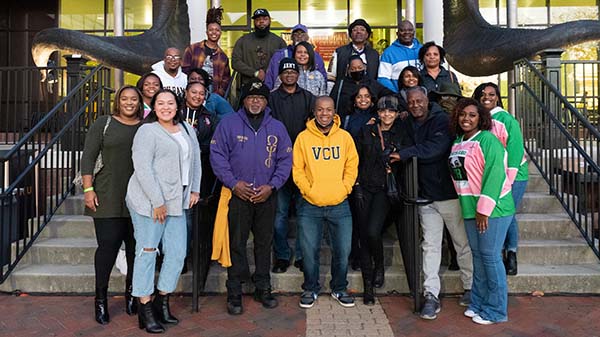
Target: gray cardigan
156	179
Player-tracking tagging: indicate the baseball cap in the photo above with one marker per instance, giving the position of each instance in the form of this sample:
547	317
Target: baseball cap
260	12
387	102
288	63
300	27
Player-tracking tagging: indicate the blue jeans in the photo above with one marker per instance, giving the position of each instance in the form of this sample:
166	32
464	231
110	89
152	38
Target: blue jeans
285	195
489	294
512	237
148	234
310	228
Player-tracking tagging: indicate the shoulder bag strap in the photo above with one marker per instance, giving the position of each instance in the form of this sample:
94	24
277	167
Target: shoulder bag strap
337	101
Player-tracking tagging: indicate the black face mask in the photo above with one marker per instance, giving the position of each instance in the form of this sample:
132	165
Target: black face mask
262	32
357	75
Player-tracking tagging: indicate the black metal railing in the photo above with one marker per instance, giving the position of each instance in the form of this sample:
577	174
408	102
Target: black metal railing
563	145
408	229
26	93
39	169
579	85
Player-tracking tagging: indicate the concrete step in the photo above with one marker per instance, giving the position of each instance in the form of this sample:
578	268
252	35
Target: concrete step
73	205
73	251
537	183
69	226
555	252
582	279
539	202
549	226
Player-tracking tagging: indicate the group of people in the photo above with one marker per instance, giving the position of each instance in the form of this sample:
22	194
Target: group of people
176	154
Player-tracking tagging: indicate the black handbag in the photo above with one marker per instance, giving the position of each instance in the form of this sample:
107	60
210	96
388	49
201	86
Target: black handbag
390	181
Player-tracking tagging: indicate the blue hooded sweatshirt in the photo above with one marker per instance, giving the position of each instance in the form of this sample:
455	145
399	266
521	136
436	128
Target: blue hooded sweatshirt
394	59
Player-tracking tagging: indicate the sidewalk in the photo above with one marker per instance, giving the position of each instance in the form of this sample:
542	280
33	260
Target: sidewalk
73	316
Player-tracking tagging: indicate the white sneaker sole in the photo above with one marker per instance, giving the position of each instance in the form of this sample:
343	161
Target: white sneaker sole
477	319
307	306
470	313
345	305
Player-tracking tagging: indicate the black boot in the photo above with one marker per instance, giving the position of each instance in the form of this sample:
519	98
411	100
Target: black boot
147	320
265	297
368	292
162	310
101	306
131	303
379	276
234	304
511	263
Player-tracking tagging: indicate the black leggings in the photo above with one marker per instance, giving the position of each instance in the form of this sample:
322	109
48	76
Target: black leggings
110	233
370	224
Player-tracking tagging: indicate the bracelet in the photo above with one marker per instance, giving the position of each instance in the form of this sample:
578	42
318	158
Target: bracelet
89	189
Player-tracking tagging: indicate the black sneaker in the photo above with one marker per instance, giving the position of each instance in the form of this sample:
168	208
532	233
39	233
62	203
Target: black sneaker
280	266
431	307
234	305
265	297
343	298
308	299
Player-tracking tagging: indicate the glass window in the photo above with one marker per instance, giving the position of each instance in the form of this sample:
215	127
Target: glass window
324	13
234	13
82	15
138	14
532	12
284	13
564	11
384	14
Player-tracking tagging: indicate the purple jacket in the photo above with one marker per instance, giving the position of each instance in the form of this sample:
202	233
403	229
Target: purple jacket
273	69
238	153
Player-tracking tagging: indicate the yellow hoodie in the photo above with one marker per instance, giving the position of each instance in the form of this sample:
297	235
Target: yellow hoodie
325	167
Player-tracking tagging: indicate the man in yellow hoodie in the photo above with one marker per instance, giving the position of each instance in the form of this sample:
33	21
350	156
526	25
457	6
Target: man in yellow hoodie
325	167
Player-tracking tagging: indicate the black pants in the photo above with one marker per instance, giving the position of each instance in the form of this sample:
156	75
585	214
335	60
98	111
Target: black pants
110	233
244	217
370	224
354	210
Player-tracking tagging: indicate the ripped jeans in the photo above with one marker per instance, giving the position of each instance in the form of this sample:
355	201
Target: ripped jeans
148	234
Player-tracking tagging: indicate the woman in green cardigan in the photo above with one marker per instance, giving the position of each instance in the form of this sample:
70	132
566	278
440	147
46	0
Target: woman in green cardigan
104	194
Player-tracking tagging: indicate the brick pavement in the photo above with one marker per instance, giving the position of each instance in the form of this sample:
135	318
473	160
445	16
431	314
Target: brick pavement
550	316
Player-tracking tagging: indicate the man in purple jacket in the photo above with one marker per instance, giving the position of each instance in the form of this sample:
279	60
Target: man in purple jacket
251	153
299	33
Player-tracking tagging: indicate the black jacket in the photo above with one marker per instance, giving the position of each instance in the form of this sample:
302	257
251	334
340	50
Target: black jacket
204	124
431	145
343	54
293	110
342	92
372	164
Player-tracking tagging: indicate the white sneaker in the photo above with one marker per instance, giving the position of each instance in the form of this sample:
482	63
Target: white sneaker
477	319
470	313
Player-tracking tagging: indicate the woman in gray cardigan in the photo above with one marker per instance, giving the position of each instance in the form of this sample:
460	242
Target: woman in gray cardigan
165	182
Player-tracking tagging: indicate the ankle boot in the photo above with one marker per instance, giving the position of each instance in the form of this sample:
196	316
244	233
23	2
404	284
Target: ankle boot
147	320
131	303
101	306
162	310
368	292
379	276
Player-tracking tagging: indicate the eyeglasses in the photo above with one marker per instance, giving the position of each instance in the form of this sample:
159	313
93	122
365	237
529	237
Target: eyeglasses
255	98
173	57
